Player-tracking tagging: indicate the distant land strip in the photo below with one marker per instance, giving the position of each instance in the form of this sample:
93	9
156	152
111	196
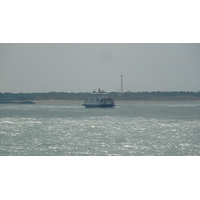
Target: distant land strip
127	96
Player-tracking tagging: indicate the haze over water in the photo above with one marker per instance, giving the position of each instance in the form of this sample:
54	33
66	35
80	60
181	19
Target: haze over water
130	129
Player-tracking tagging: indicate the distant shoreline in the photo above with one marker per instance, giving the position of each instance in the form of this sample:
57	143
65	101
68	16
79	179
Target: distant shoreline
17	102
54	101
64	97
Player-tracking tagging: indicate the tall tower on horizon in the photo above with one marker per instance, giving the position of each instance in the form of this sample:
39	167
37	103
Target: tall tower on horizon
121	83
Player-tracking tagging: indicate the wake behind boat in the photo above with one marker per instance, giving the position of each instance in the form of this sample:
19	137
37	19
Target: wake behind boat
98	100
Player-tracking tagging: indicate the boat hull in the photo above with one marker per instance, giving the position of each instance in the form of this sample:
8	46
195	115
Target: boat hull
98	106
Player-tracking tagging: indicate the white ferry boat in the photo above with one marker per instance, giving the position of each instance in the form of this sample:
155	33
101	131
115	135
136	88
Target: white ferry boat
98	100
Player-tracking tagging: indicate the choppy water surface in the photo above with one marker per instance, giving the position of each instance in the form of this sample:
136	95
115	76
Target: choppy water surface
130	129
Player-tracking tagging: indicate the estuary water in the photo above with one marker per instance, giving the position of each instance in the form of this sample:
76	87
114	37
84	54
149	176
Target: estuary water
129	129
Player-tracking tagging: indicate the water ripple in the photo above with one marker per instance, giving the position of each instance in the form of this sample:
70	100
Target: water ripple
126	131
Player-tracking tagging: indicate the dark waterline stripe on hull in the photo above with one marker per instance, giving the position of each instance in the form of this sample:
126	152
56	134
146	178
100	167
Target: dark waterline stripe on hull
99	106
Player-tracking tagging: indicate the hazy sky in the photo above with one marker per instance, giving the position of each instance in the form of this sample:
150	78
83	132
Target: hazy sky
85	67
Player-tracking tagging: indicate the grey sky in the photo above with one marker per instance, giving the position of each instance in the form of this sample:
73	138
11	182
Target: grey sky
85	67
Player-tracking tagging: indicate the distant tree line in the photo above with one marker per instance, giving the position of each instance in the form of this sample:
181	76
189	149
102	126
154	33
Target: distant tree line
127	96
